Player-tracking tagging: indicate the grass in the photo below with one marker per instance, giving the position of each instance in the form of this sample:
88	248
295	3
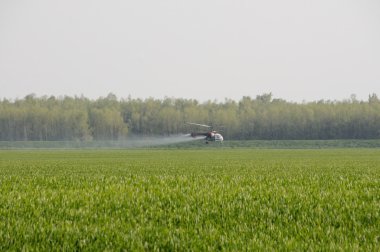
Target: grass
159	143
217	199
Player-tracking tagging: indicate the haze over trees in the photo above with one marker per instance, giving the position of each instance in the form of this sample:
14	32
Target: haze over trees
109	118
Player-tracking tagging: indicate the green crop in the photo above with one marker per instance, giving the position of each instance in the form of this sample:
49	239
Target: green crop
190	200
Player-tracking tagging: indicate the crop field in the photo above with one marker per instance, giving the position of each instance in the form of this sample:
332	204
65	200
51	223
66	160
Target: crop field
199	200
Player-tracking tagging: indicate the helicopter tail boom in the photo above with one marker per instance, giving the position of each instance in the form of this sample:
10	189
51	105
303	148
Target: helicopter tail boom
196	134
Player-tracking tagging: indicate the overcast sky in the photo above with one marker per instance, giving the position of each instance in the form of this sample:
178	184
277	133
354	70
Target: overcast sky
296	49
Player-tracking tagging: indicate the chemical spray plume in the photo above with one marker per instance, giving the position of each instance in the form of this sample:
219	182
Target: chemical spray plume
136	141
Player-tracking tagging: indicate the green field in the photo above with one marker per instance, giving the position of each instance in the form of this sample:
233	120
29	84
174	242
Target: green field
159	142
216	199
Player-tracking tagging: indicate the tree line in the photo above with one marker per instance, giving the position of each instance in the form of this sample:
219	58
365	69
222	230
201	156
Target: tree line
109	118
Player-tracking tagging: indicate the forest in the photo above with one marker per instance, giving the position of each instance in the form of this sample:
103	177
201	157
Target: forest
50	118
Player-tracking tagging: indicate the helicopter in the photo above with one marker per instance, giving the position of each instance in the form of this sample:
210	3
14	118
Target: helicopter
210	136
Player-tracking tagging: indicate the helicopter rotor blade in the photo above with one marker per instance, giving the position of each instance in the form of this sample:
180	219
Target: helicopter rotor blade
197	124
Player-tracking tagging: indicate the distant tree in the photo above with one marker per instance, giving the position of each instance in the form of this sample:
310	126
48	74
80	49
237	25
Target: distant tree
78	118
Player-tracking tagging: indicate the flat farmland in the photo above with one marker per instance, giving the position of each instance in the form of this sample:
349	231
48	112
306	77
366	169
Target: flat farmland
210	199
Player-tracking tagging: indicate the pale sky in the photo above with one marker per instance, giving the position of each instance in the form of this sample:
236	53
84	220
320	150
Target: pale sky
296	49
